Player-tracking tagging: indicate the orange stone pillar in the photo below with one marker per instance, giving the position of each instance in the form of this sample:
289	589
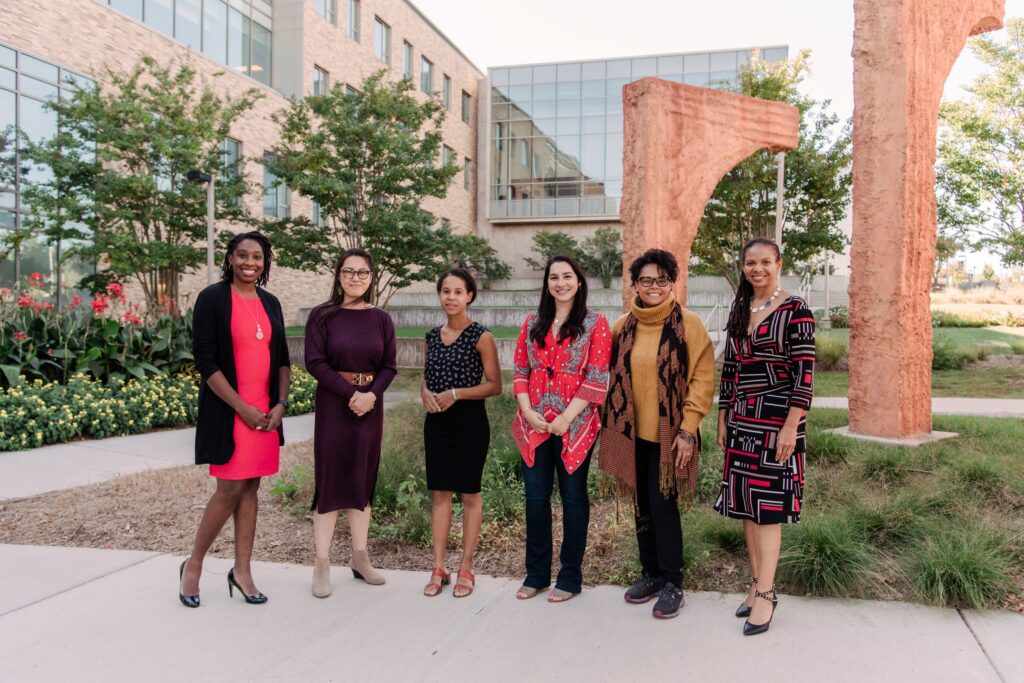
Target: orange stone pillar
679	141
903	51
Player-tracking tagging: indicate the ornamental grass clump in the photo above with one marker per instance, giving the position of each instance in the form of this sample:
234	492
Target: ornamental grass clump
824	556
892	522
959	567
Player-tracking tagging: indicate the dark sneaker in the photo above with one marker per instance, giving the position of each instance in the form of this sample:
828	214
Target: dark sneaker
669	602
643	590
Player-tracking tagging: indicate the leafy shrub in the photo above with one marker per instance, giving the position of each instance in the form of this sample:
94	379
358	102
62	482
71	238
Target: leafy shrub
601	255
109	339
947	355
961	568
947	319
38	413
830	351
824	556
840	317
548	243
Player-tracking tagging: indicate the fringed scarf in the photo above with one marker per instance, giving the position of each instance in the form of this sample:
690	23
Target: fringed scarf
618	433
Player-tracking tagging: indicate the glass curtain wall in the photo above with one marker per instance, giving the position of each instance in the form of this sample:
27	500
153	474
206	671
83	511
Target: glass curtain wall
555	134
236	33
26	83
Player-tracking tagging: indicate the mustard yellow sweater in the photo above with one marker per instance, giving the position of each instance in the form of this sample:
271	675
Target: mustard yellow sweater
700	357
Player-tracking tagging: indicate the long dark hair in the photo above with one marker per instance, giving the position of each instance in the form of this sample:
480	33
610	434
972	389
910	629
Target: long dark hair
337	297
226	275
739	314
573	325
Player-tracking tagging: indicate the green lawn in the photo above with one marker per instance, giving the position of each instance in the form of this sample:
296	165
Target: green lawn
993	340
970	383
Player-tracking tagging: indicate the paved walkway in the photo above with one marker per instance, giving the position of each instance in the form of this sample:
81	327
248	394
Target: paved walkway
110	615
981	407
107	615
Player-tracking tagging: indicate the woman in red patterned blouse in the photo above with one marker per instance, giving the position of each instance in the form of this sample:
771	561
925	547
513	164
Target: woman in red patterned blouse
561	376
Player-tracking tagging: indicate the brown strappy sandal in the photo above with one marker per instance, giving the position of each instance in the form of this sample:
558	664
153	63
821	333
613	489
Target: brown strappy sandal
461	590
435	587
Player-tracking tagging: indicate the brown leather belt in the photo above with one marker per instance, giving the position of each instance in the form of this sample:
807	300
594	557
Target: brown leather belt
358	379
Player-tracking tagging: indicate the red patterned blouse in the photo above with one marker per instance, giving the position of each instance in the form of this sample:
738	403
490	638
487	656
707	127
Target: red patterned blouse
556	374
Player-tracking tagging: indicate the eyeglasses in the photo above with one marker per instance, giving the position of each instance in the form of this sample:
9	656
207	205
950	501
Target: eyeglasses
355	274
651	281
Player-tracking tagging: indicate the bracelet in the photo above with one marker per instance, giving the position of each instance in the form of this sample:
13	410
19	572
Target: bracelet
687	435
455	397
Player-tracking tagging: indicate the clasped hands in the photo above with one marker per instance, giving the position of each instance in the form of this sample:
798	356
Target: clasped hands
557	426
436	403
254	418
362	402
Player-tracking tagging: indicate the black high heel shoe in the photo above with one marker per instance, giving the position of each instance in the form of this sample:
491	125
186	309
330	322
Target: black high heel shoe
254	599
187	600
753	629
743	611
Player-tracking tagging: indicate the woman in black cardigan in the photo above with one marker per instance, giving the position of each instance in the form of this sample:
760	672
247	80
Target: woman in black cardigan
240	351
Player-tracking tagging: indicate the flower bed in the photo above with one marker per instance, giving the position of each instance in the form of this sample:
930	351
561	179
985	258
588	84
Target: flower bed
39	413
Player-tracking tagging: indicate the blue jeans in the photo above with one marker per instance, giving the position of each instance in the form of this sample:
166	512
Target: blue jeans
538	482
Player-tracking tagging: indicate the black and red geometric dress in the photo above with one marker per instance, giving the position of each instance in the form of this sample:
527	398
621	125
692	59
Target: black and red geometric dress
765	374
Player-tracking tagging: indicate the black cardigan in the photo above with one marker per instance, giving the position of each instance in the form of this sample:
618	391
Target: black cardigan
213	352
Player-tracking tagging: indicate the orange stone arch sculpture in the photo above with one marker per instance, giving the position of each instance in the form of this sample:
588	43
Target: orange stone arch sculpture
903	52
679	141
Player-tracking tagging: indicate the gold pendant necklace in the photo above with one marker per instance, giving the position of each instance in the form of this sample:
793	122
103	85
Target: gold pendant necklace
256	316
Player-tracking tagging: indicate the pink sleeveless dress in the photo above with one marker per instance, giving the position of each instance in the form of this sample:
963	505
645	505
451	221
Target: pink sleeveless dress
257	453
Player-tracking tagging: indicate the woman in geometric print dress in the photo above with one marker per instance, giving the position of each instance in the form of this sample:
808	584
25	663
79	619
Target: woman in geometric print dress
767	384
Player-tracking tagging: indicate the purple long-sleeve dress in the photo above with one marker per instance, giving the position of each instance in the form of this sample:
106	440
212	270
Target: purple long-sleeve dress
346	448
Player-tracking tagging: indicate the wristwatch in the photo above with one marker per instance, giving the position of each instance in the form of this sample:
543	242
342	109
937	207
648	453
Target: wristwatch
282	402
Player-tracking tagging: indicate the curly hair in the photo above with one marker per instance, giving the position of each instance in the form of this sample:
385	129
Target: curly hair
665	261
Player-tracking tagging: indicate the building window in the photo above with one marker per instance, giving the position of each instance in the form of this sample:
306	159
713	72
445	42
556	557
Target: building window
446	92
426	76
276	197
353	20
381	41
467	107
407	59
321	82
231	157
349	90
325	8
447	154
319	217
467	173
236	36
25	85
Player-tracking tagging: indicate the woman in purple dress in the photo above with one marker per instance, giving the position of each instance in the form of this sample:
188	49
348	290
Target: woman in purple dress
350	350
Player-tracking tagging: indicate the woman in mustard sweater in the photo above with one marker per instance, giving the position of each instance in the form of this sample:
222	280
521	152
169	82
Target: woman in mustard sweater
662	381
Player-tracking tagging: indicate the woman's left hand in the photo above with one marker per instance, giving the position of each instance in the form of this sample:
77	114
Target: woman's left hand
683	447
444	400
274	418
362	402
559	426
785	444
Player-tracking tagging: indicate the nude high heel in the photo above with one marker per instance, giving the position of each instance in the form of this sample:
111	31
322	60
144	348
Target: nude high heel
362	569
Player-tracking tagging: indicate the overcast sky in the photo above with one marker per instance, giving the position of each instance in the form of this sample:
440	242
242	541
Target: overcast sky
493	33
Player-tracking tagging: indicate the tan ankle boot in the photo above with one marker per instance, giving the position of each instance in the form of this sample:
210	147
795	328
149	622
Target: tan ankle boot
362	569
322	578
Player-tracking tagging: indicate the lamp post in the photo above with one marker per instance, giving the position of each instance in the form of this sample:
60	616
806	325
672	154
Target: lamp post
211	228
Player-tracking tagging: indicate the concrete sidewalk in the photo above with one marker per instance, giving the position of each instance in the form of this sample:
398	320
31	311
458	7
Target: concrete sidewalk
67	465
106	615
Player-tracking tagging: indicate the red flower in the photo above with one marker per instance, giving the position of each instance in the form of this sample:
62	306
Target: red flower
132	319
75	302
116	291
20	336
25	301
100	303
47	306
35	280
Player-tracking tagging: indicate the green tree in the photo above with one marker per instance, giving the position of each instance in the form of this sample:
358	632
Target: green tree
368	159
552	243
817	181
474	254
988	272
945	249
115	173
602	255
980	170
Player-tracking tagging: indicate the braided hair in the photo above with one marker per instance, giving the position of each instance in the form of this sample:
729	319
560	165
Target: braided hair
226	275
739	314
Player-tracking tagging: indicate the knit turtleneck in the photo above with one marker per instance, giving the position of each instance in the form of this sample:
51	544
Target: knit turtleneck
643	362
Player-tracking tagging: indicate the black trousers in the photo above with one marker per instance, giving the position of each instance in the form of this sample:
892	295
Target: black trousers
659	532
